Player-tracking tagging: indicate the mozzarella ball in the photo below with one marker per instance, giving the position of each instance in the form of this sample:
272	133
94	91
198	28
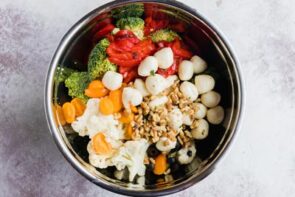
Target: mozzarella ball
165	145
155	84
112	80
131	96
189	90
186	155
164	57
199	64
200	111
215	115
204	83
201	131
175	119
171	80
185	70
210	99
186	119
158	101
147	66
140	86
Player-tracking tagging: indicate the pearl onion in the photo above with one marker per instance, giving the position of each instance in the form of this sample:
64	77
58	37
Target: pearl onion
183	157
175	117
215	115
189	90
155	84
158	101
148	65
201	111
210	99
140	86
165	145
164	57
201	131
112	80
204	83
131	96
186	70
199	64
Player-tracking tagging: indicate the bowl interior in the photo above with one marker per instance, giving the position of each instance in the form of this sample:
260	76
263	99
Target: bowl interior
204	41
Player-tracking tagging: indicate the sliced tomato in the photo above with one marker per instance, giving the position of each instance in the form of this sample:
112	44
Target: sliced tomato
152	25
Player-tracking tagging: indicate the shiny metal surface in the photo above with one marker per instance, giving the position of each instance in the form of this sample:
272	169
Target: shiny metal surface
212	46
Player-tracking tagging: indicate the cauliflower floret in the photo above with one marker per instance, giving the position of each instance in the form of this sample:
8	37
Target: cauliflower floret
131	155
92	122
99	161
80	125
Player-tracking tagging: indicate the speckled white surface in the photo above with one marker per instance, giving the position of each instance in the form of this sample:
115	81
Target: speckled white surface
262	160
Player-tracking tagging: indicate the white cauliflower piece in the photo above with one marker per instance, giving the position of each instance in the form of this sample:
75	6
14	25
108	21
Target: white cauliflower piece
131	155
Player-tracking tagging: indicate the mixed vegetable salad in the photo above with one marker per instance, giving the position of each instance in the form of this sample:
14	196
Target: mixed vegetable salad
144	99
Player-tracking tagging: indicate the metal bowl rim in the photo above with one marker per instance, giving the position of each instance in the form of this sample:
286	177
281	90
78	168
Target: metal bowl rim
58	138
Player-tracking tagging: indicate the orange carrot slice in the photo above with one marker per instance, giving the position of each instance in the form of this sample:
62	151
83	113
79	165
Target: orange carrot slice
116	97
96	89
106	106
79	106
160	164
100	145
128	131
69	112
126	117
60	115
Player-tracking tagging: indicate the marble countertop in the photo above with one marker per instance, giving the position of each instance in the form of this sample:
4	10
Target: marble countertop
261	161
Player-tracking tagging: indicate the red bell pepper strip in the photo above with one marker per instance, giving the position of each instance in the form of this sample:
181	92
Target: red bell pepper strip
103	32
179	49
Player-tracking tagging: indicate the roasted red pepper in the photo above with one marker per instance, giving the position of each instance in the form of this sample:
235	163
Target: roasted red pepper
179	49
103	32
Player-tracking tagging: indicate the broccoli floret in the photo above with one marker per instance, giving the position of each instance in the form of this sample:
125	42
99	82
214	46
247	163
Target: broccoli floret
98	64
134	24
77	82
62	73
132	10
164	35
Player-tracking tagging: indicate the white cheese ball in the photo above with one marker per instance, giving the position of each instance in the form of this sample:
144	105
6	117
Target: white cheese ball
204	83
175	119
147	66
215	115
184	157
112	80
199	64
164	57
201	131
140	86
155	84
158	101
210	99
185	70
165	145
131	96
186	119
189	90
201	111
171	80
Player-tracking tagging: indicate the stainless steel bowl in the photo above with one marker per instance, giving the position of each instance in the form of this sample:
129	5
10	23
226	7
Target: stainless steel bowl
204	37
